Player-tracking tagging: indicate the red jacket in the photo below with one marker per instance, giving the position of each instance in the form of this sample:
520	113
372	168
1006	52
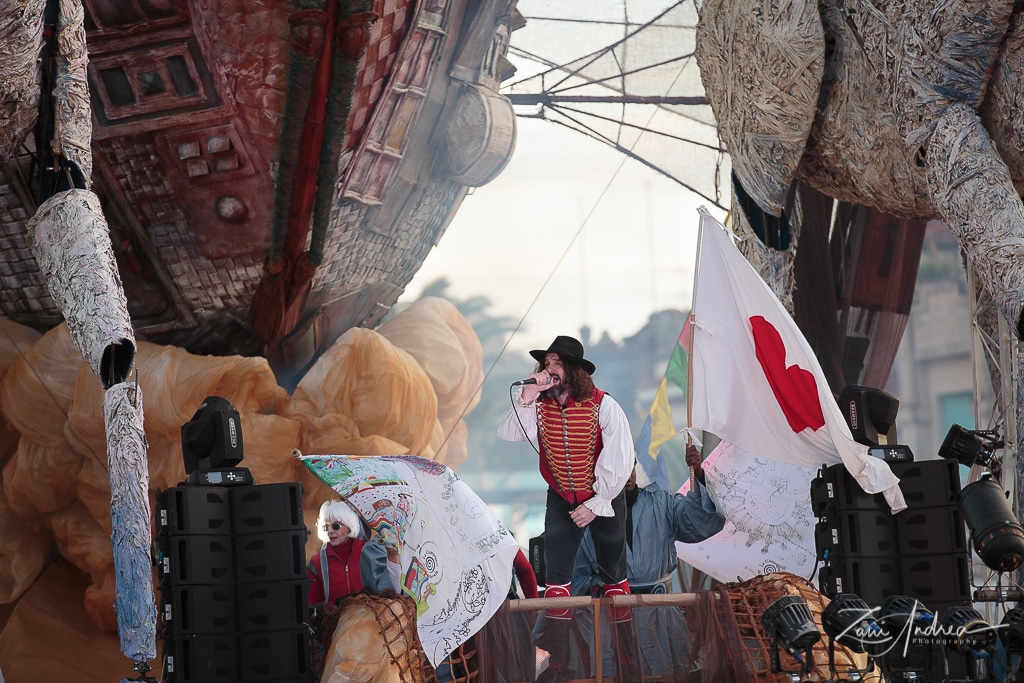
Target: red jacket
343	573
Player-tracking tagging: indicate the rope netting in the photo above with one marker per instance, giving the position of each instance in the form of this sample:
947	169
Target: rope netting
738	632
367	635
704	637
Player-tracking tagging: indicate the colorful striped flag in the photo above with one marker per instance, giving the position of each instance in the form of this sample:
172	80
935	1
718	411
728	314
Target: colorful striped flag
659	426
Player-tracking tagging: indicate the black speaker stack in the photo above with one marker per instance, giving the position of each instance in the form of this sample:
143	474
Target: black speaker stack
233	587
921	552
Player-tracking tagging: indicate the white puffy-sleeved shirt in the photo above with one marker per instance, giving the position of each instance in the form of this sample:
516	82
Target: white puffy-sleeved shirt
614	462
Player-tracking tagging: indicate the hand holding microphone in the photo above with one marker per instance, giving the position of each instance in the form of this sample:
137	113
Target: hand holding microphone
536	379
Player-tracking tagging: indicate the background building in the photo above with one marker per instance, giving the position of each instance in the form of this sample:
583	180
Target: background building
934	376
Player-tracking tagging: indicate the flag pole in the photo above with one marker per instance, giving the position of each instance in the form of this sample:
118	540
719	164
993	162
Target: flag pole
689	356
689	387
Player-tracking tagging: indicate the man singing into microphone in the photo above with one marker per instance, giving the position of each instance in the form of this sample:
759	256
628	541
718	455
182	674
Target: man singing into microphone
586	456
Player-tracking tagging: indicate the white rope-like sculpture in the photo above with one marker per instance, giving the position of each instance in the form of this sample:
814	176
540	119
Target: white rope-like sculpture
70	240
130	515
21	39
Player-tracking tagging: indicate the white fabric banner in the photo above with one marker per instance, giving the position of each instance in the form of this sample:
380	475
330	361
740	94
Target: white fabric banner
769	525
456	556
756	382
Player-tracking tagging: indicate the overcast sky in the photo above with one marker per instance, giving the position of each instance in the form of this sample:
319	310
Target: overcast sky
515	240
572	232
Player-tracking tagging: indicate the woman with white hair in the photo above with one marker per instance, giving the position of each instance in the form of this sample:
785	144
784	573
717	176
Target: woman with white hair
347	564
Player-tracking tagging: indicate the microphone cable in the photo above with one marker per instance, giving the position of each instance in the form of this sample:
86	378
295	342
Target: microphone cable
512	402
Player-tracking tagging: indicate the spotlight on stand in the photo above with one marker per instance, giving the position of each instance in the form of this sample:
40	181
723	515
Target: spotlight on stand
1011	631
903	619
901	612
849	621
1011	634
997	535
970	447
789	624
211	445
967	632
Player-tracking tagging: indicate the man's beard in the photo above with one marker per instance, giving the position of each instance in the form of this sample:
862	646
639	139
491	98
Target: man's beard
556	391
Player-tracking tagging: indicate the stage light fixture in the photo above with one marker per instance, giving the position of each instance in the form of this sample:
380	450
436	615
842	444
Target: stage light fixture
997	536
870	413
967	632
211	445
1011	631
849	621
900	614
906	624
970	447
789	624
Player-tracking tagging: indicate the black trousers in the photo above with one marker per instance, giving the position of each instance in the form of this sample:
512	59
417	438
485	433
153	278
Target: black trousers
562	539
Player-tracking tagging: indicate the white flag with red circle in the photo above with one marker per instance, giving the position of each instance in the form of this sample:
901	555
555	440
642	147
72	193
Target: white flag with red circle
756	382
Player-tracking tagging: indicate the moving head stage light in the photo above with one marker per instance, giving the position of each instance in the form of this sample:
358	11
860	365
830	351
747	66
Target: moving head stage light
871	416
970	447
211	445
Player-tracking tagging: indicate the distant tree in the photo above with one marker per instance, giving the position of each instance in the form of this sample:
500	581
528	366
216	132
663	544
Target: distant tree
631	371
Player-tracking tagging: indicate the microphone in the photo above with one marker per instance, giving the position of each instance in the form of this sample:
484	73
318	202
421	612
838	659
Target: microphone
531	380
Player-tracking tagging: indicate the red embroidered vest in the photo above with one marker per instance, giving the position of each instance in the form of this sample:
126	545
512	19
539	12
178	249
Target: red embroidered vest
570	441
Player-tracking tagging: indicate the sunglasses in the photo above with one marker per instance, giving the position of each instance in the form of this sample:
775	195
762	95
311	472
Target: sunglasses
333	525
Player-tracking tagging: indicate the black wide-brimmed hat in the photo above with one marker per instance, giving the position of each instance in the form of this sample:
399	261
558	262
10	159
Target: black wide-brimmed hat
568	349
